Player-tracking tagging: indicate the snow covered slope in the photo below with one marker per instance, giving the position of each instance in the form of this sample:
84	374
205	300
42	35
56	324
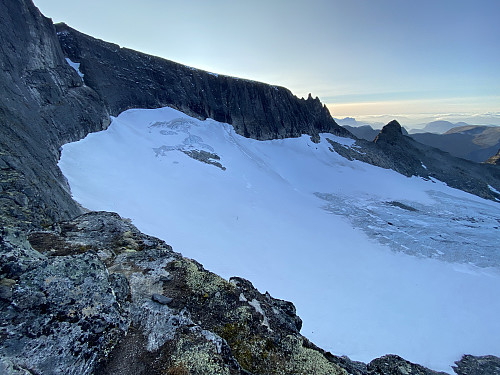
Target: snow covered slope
375	262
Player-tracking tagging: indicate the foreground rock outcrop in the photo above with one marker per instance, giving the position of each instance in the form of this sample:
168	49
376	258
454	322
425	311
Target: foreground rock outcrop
94	295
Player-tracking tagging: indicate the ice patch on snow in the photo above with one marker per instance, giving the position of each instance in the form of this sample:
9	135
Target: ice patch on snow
178	131
449	229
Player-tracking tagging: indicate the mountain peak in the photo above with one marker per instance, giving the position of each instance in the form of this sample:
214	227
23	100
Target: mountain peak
394	125
390	132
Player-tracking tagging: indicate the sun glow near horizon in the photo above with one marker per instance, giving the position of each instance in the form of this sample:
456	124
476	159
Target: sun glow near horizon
477	111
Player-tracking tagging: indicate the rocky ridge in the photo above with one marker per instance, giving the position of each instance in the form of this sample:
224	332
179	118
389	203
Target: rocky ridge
90	294
393	150
125	79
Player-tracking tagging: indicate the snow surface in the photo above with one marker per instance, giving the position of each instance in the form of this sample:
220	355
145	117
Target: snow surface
75	66
375	262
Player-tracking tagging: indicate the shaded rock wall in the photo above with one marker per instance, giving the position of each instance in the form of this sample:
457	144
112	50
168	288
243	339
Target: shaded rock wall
43	105
128	79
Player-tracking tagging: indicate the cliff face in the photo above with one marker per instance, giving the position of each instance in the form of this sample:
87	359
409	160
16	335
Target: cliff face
45	104
128	79
42	106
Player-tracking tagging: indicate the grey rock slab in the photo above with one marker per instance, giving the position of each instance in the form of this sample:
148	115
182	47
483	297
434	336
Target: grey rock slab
162	300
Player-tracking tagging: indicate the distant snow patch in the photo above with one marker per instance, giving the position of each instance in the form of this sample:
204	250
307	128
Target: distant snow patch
493	189
75	66
346	142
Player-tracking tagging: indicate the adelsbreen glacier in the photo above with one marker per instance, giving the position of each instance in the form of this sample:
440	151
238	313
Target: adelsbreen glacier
368	275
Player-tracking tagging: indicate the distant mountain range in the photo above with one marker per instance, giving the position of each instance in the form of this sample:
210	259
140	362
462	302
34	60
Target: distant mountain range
438	127
352	122
472	142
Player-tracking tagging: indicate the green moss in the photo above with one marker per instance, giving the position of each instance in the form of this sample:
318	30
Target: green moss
202	282
254	353
304	360
262	355
198	357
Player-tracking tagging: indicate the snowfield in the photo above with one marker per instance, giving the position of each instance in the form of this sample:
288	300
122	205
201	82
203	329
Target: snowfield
375	262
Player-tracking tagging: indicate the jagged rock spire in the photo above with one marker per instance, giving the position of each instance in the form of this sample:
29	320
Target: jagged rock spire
390	132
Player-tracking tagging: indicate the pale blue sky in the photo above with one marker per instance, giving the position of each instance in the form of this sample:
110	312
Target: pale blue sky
361	57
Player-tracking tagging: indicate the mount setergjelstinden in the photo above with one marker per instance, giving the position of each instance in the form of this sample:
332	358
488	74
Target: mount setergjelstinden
88	293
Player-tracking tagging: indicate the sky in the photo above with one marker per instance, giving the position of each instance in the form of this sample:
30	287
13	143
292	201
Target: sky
372	60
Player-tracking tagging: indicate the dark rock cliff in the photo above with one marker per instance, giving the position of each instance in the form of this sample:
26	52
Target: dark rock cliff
91	294
391	133
43	105
393	150
128	79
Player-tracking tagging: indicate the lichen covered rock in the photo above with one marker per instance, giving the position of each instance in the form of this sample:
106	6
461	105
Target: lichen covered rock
471	365
97	296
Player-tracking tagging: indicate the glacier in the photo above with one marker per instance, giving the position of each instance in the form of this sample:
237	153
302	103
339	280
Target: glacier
374	261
